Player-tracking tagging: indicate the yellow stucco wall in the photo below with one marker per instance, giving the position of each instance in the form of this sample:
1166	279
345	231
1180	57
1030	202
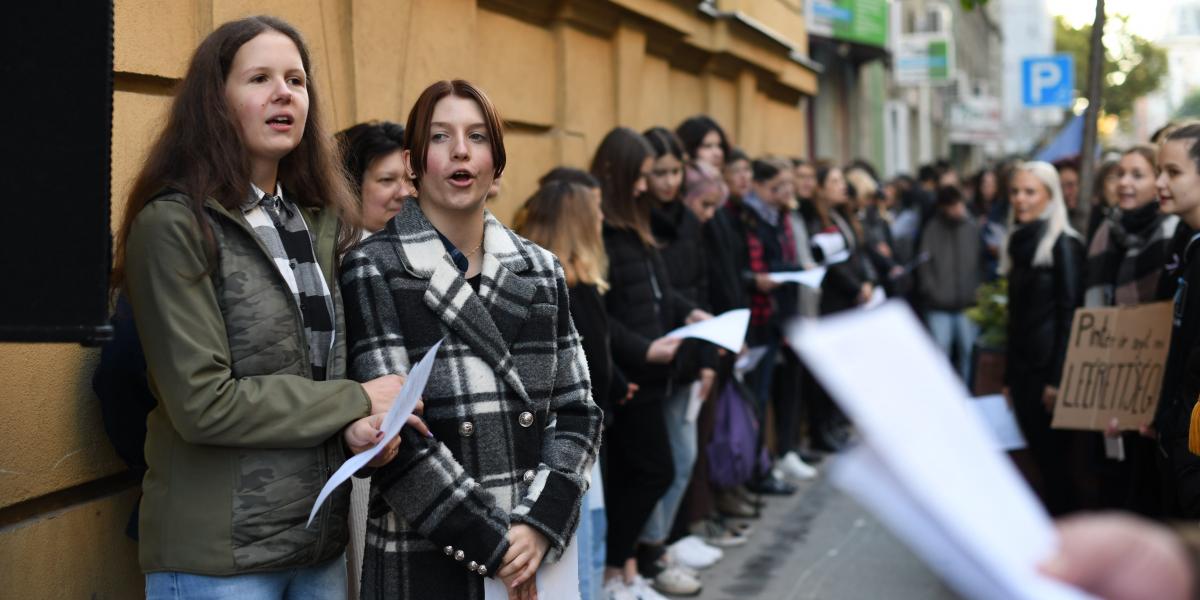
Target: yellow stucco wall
562	75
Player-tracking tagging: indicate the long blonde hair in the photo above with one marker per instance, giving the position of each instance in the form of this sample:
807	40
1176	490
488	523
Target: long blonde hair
563	218
1055	215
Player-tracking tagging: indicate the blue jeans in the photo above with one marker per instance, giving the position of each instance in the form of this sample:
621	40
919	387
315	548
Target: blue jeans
682	437
953	331
593	524
318	582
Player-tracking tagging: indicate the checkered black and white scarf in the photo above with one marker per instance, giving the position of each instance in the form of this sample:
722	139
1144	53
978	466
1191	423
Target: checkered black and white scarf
279	225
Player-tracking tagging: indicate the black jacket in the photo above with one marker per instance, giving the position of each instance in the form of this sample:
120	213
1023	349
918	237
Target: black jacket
677	231
591	321
1041	304
844	280
729	282
642	306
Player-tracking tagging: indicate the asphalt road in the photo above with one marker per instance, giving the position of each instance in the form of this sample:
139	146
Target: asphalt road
819	544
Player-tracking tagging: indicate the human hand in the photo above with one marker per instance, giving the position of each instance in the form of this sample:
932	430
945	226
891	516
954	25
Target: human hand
1120	557
1147	431
382	391
363	434
526	549
708	377
697	315
662	350
1049	396
864	294
883	249
763	282
525	591
630	390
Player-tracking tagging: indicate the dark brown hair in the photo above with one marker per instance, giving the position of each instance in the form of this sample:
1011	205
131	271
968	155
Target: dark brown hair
1148	152
618	165
200	152
1188	132
420	121
363	144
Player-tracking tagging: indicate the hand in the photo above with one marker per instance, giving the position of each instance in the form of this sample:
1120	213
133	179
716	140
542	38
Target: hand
1113	429
864	294
630	391
1147	431
1120	557
1049	396
696	316
883	249
763	282
1007	397
364	433
525	591
662	350
708	378
382	391
526	549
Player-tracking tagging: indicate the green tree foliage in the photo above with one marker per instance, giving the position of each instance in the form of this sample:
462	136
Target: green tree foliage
1133	67
1190	109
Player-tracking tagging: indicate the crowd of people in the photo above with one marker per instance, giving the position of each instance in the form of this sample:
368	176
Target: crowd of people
276	283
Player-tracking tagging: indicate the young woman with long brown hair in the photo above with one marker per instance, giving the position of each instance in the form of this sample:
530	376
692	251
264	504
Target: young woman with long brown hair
227	253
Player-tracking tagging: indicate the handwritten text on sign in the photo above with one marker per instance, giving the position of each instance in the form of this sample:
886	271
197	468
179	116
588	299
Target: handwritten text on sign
1114	366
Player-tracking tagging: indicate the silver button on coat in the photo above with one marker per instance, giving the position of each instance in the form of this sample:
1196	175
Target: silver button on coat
466	429
529	475
526	419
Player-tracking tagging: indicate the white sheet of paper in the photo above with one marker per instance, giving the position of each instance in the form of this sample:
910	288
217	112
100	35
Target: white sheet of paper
727	330
878	297
402	407
912	413
837	257
1114	448
1001	421
810	277
559	580
695	401
829	243
746	362
861	473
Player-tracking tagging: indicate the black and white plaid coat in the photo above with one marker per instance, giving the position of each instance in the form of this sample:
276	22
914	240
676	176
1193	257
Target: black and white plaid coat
508	402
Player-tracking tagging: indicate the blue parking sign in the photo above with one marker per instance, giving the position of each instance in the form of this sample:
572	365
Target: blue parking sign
1048	80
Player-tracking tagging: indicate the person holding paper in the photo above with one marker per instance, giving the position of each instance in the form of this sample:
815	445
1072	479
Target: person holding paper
227	253
494	500
677	231
1043	260
642	307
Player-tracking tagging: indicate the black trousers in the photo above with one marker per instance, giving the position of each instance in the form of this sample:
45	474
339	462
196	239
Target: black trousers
786	398
640	469
1051	448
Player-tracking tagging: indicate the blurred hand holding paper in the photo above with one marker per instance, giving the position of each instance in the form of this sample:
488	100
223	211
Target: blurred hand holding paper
727	330
403	406
928	467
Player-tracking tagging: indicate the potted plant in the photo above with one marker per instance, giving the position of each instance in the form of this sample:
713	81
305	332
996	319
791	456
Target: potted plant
990	313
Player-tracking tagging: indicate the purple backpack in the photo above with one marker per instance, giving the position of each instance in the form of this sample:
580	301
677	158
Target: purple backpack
734	447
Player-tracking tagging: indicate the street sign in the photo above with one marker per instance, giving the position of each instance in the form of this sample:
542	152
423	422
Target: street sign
924	58
1048	80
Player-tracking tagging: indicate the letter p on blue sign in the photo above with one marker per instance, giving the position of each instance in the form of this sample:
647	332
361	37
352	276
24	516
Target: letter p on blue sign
1048	80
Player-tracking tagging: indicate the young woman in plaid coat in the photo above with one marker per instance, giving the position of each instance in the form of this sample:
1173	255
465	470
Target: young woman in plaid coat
496	492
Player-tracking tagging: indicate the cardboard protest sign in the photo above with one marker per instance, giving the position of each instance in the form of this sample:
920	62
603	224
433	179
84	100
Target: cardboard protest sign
1114	367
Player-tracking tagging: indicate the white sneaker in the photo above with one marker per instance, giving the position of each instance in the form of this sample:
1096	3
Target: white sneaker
794	468
675	582
642	591
689	556
617	589
696	545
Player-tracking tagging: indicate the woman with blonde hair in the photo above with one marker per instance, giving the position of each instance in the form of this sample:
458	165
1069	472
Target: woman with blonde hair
1043	260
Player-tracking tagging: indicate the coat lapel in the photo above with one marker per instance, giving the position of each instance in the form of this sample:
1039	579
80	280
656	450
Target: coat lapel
488	321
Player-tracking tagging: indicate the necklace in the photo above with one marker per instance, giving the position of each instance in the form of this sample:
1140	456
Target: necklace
472	253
